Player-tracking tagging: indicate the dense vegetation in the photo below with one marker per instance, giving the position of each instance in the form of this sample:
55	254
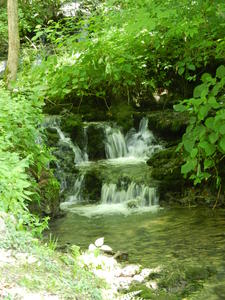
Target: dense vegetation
112	52
115	58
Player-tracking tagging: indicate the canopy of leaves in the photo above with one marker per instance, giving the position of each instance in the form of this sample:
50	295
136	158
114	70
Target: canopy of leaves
124	49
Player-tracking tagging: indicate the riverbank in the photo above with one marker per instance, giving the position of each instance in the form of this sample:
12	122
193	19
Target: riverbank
30	269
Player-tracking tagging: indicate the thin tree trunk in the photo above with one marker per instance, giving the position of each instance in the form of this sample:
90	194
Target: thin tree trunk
13	40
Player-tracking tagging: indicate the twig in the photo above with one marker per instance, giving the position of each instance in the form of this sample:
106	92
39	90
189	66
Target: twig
31	42
217	198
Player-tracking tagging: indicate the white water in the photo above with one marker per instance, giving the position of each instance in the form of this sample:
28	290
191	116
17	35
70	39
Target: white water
140	194
90	211
115	145
134	198
134	148
54	123
140	144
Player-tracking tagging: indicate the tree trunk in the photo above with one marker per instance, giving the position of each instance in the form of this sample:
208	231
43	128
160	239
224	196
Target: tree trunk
13	40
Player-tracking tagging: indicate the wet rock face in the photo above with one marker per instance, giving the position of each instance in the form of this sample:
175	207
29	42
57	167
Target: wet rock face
166	124
92	186
166	166
96	147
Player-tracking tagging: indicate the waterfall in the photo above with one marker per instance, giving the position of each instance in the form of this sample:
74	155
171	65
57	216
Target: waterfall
112	184
138	144
115	145
79	157
140	195
77	190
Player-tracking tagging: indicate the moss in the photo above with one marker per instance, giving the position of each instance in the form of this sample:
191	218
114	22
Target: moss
96	147
70	121
146	293
175	282
49	189
52	137
92	186
122	114
168	124
183	281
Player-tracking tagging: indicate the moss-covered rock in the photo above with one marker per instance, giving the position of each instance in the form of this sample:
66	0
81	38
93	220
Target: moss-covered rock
49	188
52	137
122	114
166	166
168	124
92	186
96	146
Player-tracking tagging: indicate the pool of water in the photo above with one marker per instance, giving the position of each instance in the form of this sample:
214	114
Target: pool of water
151	238
183	236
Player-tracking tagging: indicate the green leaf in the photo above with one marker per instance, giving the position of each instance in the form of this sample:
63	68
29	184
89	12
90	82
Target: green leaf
210	123
203	112
199	90
213	103
180	107
206	77
190	165
191	67
220	72
198	132
222	129
208	163
208	148
194	152
181	70
222	144
188	144
213	137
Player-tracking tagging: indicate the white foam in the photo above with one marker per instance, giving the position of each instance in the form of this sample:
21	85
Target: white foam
90	211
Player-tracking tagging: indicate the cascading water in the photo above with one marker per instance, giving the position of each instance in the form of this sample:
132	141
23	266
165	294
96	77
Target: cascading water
115	144
140	195
76	192
79	156
121	181
139	144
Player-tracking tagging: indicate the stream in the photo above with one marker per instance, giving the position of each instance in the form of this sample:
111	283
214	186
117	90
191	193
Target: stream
115	197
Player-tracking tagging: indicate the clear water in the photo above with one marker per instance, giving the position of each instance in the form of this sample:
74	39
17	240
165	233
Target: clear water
184	237
152	238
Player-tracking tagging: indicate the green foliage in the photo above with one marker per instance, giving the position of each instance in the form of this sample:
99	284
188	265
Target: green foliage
3	32
32	13
127	50
22	155
204	141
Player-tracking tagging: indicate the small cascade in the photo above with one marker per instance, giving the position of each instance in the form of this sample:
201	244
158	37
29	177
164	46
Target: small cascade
76	192
142	143
112	183
138	144
135	194
115	145
79	157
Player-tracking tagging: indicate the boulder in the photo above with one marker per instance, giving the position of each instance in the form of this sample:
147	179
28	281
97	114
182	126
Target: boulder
166	169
